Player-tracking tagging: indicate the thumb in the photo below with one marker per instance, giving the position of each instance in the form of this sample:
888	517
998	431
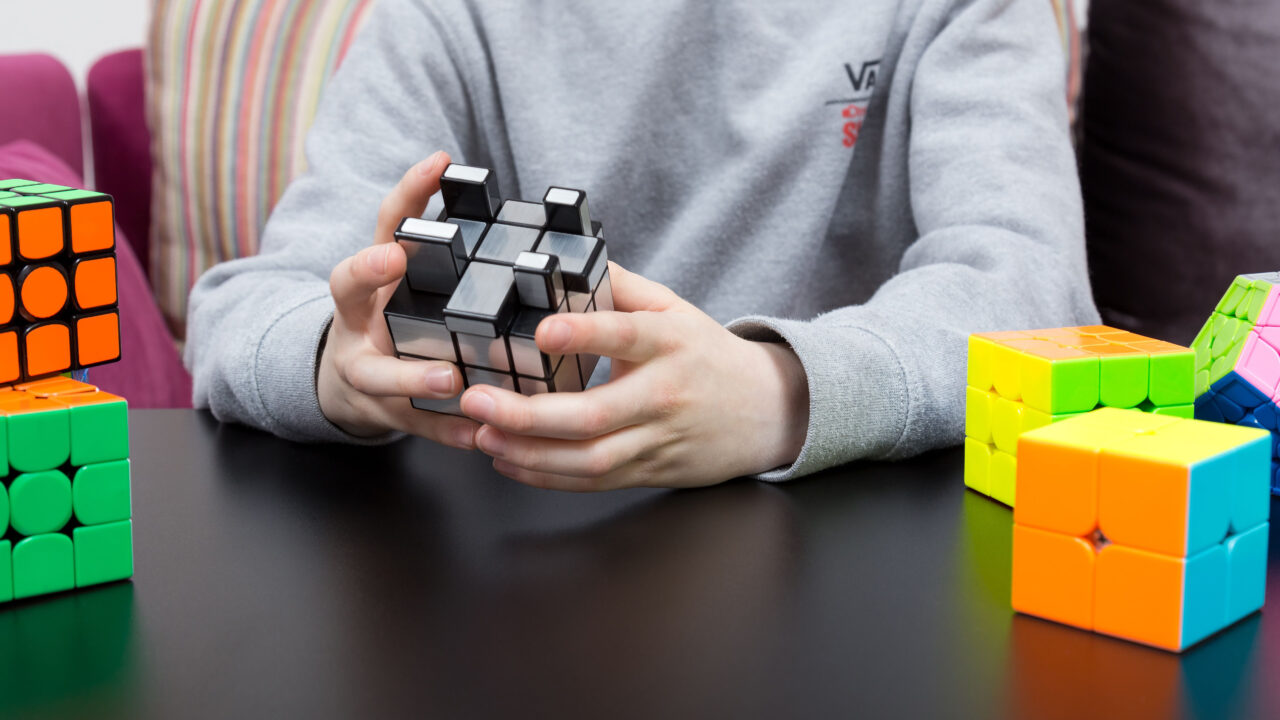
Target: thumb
635	293
355	282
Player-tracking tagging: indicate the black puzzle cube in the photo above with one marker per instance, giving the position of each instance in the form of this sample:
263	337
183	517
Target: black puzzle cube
484	275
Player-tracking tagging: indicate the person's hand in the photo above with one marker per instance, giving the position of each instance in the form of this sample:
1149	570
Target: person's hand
687	403
362	387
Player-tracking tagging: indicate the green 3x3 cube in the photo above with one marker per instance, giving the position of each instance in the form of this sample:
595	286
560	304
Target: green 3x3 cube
65	505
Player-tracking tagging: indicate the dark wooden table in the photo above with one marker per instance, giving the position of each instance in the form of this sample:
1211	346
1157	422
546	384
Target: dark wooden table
280	580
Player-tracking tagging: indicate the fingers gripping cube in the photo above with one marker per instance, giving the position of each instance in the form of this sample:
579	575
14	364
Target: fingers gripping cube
485	274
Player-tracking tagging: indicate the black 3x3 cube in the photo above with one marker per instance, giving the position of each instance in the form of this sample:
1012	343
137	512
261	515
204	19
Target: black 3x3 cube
485	273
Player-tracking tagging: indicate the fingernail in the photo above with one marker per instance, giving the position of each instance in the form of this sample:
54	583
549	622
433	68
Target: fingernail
440	380
377	259
558	334
426	166
492	441
479	406
465	437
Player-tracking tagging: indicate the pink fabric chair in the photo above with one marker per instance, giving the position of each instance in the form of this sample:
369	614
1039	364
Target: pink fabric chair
41	127
116	92
41	105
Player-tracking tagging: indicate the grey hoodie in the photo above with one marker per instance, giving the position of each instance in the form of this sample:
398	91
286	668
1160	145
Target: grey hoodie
868	181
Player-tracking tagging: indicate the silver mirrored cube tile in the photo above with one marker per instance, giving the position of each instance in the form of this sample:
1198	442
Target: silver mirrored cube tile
465	173
484	301
503	243
532	386
579	301
485	352
603	296
567	377
472	231
579	257
587	366
447	406
416	324
519	212
480	376
526	356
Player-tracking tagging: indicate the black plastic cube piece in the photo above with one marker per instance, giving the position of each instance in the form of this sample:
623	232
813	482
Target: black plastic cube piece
436	254
567	211
539	283
469	192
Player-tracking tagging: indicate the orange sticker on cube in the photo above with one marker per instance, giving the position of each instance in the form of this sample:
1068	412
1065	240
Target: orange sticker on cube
92	227
95	283
43	292
40	233
48	349
97	339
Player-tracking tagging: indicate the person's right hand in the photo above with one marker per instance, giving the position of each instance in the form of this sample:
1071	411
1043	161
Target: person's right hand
362	386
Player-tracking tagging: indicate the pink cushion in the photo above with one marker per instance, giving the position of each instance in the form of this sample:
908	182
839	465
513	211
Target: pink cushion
121	143
232	88
41	105
150	373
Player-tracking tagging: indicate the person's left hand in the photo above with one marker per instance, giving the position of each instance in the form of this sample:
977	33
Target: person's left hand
688	403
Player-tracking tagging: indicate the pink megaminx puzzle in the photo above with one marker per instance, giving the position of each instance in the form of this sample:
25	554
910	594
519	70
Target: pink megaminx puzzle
1238	360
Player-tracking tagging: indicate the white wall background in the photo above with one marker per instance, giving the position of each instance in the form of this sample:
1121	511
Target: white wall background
78	32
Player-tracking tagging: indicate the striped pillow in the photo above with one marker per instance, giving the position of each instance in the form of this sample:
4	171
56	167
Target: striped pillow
232	90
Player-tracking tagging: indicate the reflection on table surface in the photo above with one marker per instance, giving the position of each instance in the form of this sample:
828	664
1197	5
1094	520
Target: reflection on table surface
409	580
1055	671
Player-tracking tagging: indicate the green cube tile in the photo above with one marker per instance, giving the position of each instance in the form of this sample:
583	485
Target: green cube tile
1063	385
28	201
100	492
43	564
1257	298
40	502
15	182
99	433
1124	380
39	440
1226	336
1184	411
75	195
4	510
39	188
104	552
1173	378
6	571
1231	299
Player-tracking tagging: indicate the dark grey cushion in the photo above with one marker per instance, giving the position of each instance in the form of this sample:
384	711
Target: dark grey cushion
1179	156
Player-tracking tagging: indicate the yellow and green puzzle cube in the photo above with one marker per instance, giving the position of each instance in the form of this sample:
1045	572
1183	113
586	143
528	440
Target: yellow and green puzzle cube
1020	380
64	500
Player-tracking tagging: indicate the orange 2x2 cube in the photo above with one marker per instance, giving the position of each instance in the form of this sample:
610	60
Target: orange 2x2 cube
1146	527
